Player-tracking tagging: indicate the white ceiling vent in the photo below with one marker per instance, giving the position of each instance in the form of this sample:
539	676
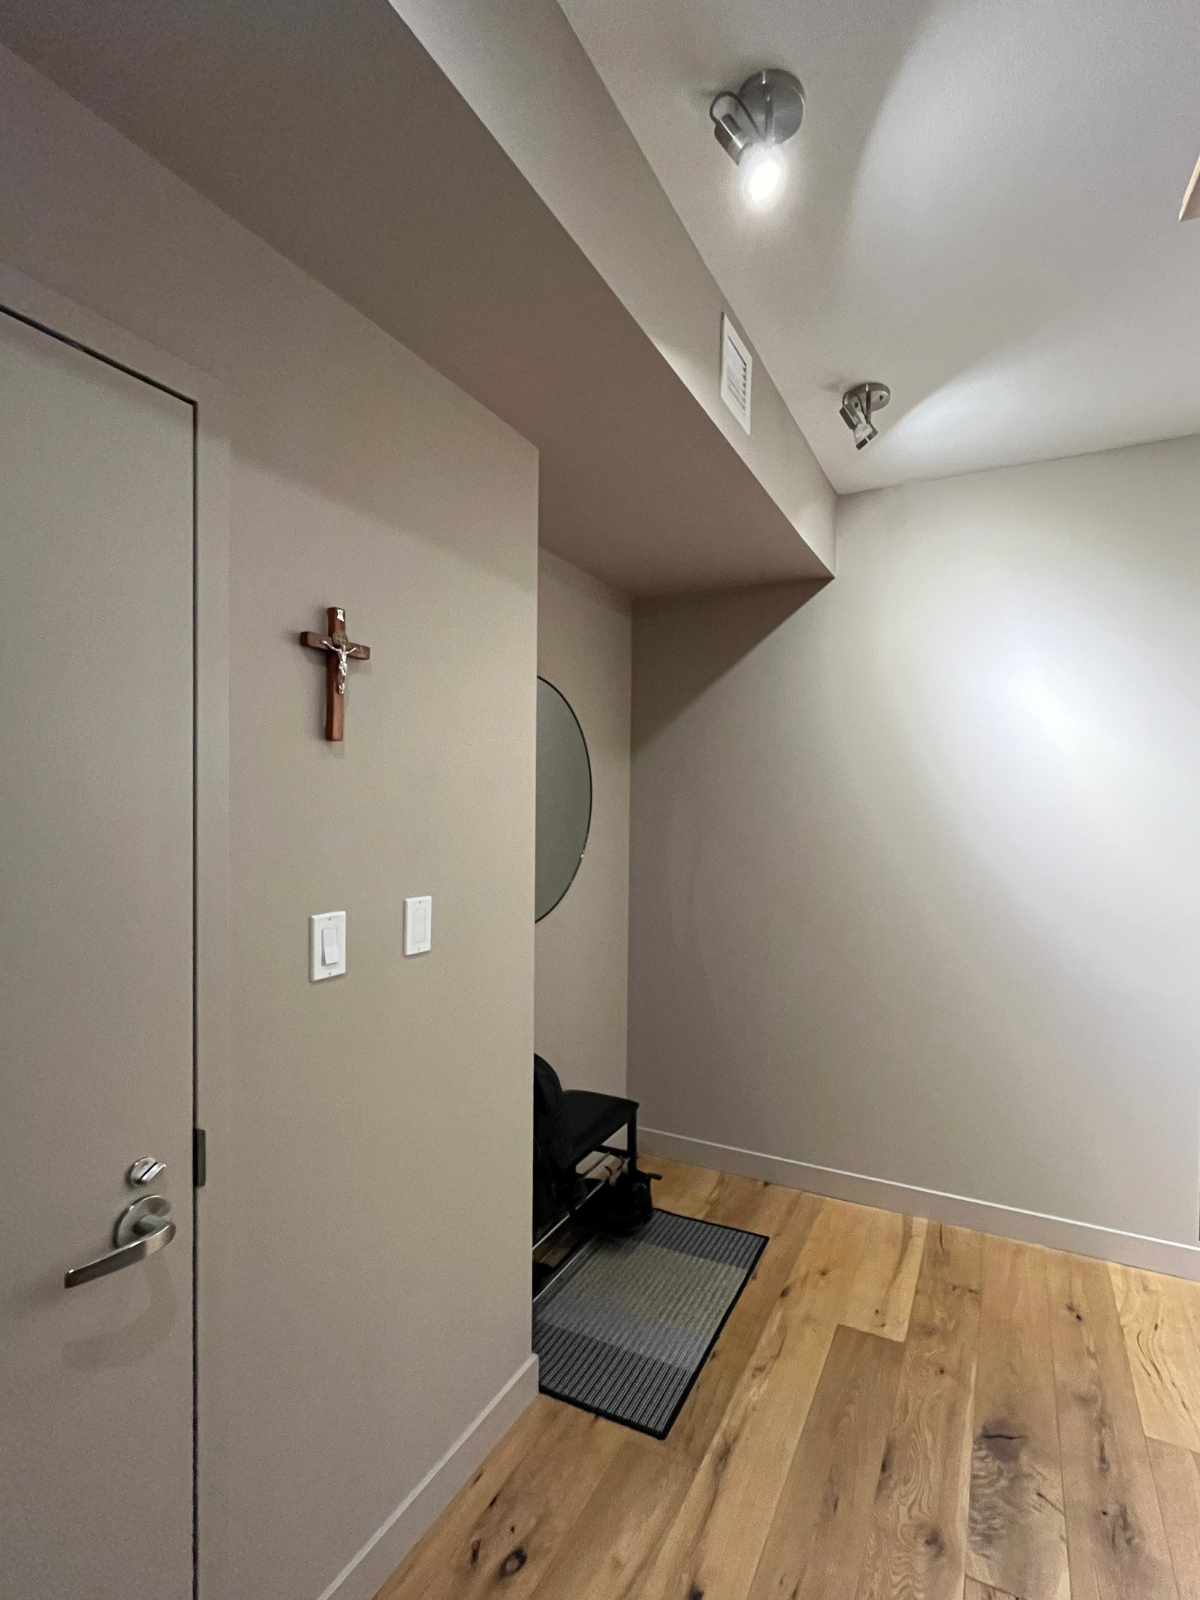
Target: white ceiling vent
737	368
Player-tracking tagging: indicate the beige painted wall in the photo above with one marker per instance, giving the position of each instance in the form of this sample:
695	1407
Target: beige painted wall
582	947
915	866
365	1232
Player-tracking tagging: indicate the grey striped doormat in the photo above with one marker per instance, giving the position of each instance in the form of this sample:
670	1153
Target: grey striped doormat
625	1327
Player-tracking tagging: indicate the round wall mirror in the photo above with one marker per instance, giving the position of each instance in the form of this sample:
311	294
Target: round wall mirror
564	798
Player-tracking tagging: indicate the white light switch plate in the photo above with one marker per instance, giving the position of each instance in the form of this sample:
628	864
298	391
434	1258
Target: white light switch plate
418	925
327	945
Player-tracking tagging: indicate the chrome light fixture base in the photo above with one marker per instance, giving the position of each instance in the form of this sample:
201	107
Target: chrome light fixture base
858	404
767	109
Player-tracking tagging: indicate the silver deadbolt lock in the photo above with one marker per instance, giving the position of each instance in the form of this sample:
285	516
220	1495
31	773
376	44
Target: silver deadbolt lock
144	1171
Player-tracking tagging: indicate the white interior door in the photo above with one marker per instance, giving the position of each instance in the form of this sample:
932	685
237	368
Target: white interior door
96	975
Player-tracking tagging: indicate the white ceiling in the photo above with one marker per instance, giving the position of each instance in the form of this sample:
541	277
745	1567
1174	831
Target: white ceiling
981	212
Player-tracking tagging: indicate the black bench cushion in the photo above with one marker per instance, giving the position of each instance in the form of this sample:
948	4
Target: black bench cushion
589	1120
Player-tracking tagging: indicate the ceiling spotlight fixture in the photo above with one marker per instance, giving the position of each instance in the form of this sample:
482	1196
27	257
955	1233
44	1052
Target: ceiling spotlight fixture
753	124
858	404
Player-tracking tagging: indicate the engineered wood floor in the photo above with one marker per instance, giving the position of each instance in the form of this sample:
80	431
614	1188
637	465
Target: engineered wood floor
895	1410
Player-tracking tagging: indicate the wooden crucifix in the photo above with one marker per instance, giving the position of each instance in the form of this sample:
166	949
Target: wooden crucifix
338	651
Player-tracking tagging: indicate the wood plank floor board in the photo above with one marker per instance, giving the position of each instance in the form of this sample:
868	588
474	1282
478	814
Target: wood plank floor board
787	1217
682	1188
621	1528
1164	1354
790	1475
416	1574
513	1540
1017	1540
1177	1478
713	1546
917	1549
742	1202
818	1536
881	1295
1116	1542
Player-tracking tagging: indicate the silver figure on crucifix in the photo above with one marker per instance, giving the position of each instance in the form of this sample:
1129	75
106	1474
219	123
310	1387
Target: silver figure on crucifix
340	648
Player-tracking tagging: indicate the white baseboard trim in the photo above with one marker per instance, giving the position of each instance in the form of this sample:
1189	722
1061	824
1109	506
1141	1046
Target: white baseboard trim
1030	1227
364	1573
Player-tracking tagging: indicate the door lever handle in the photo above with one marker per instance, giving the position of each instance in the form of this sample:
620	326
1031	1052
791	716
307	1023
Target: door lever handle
142	1230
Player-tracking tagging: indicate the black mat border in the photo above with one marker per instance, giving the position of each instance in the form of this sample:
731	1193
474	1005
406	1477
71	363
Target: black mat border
634	1427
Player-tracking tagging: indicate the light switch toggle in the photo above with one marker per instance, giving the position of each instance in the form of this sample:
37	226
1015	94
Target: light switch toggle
418	925
327	945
